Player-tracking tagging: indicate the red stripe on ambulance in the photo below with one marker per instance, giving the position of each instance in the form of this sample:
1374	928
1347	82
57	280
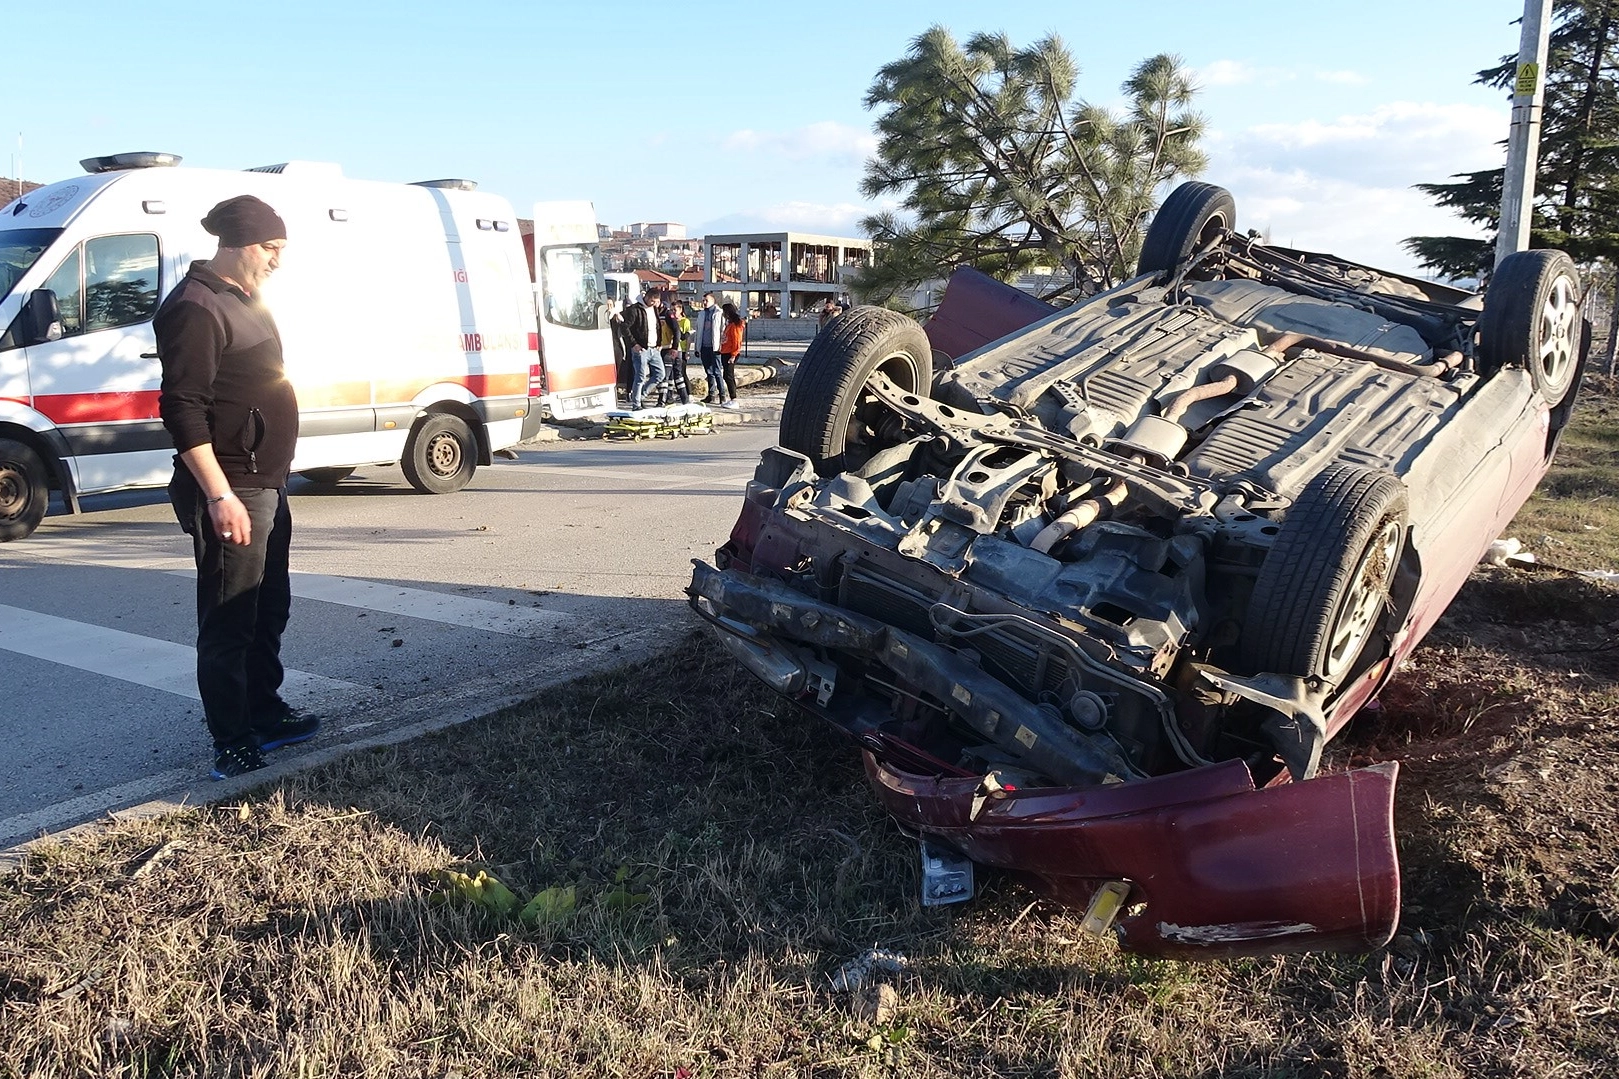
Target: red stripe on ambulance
62	408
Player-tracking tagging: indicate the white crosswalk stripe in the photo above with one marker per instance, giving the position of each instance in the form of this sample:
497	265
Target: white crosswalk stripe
144	661
486	615
466	611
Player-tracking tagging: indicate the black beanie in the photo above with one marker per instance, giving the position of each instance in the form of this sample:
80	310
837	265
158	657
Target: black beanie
244	221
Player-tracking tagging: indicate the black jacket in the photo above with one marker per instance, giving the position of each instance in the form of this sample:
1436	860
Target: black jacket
223	379
641	324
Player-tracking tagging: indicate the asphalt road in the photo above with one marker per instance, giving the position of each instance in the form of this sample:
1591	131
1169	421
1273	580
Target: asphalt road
410	611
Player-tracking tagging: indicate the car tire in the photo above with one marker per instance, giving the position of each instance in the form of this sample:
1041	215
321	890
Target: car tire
1325	582
24	491
326	477
1189	218
828	416
441	455
1532	320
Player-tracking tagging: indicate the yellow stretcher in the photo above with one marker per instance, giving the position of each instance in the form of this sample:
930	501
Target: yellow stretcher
665	421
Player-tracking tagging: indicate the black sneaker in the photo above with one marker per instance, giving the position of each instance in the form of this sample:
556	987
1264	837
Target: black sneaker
237	760
288	728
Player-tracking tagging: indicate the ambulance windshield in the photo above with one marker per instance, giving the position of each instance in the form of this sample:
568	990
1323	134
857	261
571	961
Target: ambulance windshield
20	249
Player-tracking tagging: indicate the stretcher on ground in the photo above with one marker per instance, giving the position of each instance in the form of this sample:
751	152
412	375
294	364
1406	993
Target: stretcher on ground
663	421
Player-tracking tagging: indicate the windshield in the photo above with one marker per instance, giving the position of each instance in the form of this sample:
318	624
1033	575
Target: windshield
20	249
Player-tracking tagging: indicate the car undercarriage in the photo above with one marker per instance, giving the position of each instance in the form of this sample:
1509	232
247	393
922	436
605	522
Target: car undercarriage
1183	529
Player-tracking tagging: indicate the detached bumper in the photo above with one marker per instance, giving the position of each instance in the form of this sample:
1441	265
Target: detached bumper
1215	867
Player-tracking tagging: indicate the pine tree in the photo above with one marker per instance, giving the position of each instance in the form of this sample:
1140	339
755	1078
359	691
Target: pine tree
1577	179
998	167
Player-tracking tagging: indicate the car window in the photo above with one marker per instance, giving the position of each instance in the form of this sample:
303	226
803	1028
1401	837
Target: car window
571	293
65	282
120	281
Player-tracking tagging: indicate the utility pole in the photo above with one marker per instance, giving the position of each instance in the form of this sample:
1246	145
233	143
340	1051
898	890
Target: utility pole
1523	142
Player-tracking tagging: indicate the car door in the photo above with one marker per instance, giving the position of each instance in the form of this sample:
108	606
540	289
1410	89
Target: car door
99	381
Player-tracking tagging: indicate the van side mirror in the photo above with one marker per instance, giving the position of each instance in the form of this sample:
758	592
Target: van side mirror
40	319
604	316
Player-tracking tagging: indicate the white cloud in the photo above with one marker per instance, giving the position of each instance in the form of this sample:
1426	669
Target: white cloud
1394	145
827	219
826	140
1238	73
1345	185
1322	213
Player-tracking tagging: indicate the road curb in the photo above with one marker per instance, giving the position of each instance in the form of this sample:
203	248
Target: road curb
477	699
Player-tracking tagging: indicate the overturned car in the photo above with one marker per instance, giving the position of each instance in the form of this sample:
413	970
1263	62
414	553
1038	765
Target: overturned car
1092	599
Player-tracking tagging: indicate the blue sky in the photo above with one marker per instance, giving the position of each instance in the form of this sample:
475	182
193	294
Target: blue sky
731	117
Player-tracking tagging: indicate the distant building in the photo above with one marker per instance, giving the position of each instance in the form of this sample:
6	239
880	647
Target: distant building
783	274
658	230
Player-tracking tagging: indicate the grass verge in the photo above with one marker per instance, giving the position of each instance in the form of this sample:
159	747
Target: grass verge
706	860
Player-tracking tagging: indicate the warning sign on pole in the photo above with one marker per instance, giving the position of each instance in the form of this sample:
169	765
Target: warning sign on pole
1528	77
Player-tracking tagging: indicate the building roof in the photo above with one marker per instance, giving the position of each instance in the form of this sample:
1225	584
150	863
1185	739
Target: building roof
11	189
789	237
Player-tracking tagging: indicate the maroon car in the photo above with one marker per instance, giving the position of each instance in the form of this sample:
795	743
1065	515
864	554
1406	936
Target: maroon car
1092	598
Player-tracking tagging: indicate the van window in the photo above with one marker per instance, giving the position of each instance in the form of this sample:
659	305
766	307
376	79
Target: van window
106	282
120	281
571	294
19	250
65	282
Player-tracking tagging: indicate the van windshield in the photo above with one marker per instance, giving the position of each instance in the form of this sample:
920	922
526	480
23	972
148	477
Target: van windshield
20	249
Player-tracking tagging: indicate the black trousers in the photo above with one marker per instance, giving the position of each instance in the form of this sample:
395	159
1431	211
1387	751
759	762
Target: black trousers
244	598
728	364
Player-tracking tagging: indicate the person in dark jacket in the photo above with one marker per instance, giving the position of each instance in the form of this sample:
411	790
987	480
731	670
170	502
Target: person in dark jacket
233	416
621	349
641	326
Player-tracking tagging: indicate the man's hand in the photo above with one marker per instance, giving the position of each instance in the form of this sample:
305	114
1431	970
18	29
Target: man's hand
231	521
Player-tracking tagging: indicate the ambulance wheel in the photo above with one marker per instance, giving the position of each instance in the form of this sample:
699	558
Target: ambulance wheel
24	494
441	455
326	477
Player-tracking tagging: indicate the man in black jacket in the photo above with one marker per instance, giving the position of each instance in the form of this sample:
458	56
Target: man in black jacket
233	416
641	326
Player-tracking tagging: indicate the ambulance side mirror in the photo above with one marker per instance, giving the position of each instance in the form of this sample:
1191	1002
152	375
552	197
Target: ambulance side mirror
604	316
40	319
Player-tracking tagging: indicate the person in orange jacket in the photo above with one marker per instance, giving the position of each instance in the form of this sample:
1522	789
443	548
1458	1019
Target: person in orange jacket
731	347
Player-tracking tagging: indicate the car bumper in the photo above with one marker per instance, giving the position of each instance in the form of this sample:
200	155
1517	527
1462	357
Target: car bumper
1213	866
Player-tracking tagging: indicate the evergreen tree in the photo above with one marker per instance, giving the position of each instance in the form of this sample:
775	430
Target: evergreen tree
998	167
1576	205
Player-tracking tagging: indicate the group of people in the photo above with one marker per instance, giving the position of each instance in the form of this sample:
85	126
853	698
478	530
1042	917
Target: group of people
653	340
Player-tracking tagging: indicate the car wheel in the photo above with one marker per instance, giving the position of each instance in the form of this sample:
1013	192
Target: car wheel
24	492
1325	582
326	477
1531	319
829	415
1192	215
440	456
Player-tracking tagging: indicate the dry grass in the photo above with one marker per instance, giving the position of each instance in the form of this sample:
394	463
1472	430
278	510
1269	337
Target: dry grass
726	859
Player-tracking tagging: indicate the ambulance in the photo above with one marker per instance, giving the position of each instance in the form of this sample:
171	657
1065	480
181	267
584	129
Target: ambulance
420	326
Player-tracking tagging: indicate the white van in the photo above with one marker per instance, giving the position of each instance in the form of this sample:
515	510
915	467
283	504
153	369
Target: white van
407	314
623	287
